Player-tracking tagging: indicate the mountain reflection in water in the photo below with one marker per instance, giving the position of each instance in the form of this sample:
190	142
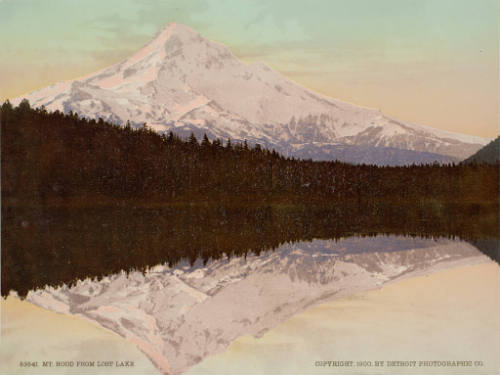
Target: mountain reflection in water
179	315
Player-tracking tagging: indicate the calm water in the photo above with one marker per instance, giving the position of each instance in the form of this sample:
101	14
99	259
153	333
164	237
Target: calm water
184	282
179	315
51	246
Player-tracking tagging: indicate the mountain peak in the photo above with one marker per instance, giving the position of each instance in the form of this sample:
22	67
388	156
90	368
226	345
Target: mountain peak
174	28
166	43
177	30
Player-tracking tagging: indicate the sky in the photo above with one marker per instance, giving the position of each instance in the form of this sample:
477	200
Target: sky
432	62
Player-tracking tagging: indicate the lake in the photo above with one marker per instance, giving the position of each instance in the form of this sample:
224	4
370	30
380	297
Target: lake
179	315
184	283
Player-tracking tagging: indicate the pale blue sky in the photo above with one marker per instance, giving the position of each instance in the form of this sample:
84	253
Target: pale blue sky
429	61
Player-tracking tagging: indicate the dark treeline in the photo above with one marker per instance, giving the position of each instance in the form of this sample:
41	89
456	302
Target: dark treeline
52	155
55	245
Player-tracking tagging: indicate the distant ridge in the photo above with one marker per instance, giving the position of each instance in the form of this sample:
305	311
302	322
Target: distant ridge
489	154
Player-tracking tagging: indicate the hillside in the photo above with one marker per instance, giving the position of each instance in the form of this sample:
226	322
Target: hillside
489	154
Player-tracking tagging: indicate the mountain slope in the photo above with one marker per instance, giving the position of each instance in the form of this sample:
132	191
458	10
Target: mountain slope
183	82
488	154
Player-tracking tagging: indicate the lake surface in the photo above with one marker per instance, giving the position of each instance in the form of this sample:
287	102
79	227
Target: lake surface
184	282
451	315
182	314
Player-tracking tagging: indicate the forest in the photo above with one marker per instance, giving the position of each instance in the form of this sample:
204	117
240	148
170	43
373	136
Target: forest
56	158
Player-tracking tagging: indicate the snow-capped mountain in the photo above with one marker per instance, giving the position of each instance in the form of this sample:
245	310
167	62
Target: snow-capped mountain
178	316
183	82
